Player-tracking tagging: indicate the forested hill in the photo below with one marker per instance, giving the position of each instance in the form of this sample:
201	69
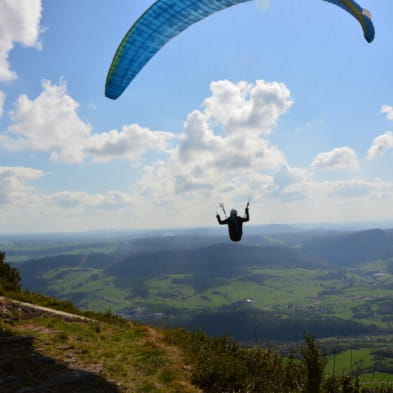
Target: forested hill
220	259
216	260
352	248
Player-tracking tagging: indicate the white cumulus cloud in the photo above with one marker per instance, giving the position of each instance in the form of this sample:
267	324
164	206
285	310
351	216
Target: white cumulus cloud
14	183
131	142
338	158
381	144
224	149
388	110
221	155
384	142
218	153
247	108
50	123
19	23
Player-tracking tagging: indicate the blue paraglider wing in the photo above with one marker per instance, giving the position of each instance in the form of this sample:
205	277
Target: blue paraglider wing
160	23
361	14
167	18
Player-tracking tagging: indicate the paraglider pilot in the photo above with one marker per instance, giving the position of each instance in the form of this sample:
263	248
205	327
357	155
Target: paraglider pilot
235	224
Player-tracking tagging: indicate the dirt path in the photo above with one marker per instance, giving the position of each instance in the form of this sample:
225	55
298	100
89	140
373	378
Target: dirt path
9	309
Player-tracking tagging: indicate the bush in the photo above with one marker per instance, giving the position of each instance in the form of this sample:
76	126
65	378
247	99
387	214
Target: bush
221	365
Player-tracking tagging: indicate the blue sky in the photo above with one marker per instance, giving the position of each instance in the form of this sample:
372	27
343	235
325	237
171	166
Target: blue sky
282	102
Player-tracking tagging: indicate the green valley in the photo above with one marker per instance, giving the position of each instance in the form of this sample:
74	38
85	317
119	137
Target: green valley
271	288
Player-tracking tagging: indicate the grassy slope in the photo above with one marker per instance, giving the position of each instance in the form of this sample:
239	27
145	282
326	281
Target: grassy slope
51	354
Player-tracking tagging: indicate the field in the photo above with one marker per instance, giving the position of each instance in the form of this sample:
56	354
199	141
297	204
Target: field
369	357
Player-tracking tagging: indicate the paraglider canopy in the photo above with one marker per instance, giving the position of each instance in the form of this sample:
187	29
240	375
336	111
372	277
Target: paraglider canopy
167	18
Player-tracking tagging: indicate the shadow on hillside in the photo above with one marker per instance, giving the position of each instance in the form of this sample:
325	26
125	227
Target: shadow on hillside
24	370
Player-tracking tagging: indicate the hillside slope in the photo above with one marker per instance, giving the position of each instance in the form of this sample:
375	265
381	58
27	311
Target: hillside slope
351	249
43	350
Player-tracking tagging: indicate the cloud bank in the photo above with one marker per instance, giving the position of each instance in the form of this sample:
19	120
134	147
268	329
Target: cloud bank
224	153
